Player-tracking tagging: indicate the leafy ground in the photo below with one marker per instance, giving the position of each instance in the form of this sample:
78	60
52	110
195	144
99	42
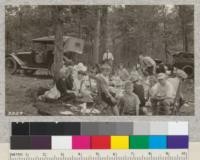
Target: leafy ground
19	99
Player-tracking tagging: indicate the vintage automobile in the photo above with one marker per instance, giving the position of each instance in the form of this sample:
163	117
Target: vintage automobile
41	55
184	61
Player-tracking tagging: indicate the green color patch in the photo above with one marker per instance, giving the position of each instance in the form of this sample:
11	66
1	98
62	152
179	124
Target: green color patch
138	142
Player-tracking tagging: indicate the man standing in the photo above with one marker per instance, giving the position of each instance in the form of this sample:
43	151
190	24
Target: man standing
108	57
148	65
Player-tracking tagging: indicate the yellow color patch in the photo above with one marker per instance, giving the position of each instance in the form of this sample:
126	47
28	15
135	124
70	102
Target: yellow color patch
119	142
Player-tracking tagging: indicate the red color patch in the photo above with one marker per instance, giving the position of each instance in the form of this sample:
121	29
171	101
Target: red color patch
100	142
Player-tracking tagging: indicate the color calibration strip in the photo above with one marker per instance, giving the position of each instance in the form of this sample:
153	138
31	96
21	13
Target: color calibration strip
111	135
181	154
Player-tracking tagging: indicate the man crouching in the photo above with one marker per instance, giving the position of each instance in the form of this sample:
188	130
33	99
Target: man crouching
162	96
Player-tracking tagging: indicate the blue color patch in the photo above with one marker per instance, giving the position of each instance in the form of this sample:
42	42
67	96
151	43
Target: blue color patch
157	142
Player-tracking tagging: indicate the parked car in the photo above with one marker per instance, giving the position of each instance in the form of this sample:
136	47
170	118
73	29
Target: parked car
41	55
184	61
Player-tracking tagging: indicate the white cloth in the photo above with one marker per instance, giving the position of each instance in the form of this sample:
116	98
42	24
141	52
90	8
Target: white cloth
79	84
53	93
108	56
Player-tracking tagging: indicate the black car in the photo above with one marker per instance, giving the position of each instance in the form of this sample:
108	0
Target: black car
41	56
184	61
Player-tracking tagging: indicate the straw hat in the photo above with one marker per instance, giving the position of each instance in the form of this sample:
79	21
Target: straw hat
80	67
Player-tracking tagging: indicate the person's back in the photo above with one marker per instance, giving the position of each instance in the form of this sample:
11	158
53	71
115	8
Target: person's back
64	84
129	104
139	91
148	61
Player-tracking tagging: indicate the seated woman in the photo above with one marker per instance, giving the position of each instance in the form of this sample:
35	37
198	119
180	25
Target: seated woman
129	103
80	82
62	88
65	84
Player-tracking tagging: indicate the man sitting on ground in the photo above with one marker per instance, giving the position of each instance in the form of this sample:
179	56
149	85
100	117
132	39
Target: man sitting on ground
162	95
104	86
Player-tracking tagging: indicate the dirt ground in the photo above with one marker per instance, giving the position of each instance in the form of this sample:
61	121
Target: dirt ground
20	102
17	99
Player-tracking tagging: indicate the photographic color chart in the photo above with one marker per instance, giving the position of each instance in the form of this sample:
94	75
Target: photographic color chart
99	135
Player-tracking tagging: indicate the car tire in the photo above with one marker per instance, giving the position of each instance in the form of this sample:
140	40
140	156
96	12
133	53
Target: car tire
11	65
189	70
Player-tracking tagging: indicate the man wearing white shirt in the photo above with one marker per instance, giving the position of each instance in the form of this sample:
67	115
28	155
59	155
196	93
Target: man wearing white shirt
147	64
164	93
108	57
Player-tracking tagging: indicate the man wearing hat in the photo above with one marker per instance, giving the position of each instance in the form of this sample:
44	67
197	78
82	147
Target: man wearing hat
162	95
148	65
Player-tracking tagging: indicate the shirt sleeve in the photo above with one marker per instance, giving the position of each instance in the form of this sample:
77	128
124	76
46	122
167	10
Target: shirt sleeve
111	56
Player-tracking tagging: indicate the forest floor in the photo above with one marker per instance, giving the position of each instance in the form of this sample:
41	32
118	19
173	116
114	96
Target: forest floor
20	101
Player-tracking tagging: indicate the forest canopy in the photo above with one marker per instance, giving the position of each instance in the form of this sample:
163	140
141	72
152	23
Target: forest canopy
154	30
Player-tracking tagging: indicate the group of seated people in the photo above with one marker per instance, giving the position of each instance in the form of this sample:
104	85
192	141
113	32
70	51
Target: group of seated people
125	92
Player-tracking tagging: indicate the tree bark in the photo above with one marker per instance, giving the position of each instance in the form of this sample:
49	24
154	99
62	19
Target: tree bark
165	38
183	25
20	29
97	37
58	48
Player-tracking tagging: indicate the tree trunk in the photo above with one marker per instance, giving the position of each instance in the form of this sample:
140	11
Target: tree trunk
104	31
106	28
58	48
20	29
183	25
185	39
97	37
165	38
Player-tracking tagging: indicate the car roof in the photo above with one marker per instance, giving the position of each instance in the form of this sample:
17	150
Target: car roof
49	39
